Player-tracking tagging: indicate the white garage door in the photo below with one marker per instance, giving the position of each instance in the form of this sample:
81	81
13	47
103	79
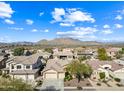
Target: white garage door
53	75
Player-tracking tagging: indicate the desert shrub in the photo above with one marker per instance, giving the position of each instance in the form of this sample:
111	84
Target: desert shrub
39	82
102	75
99	84
111	76
88	84
5	75
0	72
117	79
119	85
79	88
68	77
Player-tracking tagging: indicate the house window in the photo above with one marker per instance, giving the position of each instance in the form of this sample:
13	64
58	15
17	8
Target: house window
28	67
19	67
106	67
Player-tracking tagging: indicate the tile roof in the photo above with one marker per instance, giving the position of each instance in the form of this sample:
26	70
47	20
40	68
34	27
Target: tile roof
65	53
56	65
95	64
25	59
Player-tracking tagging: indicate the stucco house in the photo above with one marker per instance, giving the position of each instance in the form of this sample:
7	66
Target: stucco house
64	55
112	51
24	67
53	70
109	67
89	53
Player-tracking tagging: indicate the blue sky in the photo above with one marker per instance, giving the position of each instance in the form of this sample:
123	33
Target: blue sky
87	21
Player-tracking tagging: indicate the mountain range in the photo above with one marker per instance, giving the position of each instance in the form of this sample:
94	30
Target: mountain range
63	42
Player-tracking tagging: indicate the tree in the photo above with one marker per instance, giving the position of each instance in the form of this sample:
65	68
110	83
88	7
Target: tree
102	55
18	51
102	75
49	50
118	55
68	76
82	58
28	53
78	69
122	50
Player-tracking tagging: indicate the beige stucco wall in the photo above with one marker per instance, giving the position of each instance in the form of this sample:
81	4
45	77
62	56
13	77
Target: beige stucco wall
53	74
24	77
61	75
50	74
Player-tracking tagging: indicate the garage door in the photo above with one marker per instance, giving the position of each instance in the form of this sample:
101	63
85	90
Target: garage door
53	75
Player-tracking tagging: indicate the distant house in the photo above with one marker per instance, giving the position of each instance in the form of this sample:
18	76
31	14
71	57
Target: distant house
112	51
89	53
109	67
45	54
64	55
24	67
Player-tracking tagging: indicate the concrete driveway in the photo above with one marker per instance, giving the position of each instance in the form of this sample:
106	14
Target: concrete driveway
52	85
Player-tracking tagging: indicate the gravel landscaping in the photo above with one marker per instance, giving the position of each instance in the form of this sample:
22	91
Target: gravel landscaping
74	83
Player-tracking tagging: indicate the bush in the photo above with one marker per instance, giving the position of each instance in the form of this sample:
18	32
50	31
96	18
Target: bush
99	84
120	85
102	75
14	85
0	72
117	79
68	77
5	75
111	76
88	84
104	81
79	88
49	50
39	83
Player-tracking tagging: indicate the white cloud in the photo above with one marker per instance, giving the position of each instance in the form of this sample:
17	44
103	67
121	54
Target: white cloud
118	26
106	26
5	39
79	32
107	31
34	30
121	11
66	24
57	13
8	21
16	28
5	10
118	17
67	17
41	13
46	30
29	21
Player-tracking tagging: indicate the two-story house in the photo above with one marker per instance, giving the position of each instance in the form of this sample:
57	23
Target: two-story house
24	67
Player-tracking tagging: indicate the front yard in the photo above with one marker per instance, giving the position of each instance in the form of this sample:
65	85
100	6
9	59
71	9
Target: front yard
74	83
